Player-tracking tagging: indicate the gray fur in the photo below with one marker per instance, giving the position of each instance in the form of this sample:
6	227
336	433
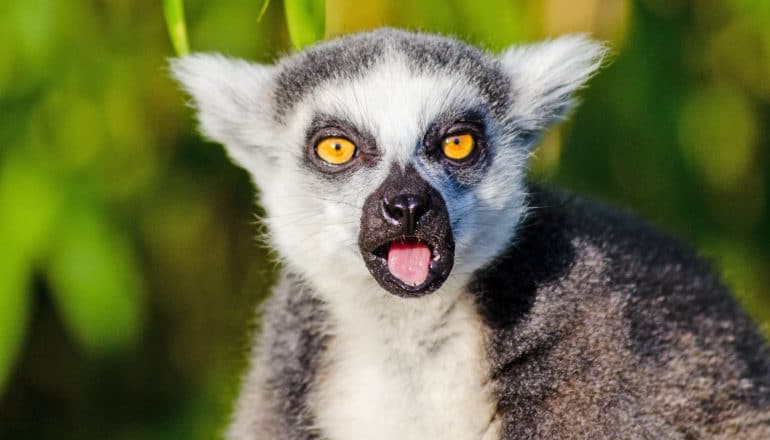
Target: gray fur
600	327
349	57
590	323
273	403
605	328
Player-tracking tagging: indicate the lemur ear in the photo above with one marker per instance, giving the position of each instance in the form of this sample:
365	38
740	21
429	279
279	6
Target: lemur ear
546	75
232	98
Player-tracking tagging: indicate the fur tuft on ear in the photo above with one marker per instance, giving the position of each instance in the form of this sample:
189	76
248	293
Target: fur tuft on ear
546	75
229	94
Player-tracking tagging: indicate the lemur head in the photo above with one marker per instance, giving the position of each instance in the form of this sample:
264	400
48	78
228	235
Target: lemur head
389	157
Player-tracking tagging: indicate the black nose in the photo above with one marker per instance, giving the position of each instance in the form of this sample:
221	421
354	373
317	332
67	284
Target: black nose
405	210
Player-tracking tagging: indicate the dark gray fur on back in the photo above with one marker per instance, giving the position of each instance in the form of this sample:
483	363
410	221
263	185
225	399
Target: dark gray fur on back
347	58
599	327
604	328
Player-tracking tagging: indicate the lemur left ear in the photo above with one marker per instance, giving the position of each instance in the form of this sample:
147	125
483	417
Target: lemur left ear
546	75
232	98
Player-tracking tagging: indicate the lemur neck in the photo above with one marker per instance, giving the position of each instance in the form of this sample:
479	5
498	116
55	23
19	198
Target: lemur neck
398	324
406	368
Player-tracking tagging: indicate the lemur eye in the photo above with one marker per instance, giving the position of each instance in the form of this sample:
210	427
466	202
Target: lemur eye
335	150
459	146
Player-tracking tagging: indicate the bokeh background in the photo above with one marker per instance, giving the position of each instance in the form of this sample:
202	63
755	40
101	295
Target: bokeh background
129	271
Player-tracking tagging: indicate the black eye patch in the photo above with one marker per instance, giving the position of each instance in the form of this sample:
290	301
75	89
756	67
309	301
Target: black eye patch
472	122
326	126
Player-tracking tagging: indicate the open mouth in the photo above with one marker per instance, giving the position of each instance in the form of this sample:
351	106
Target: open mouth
409	266
405	237
408	260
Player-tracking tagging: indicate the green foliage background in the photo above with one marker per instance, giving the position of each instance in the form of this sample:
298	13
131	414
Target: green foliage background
129	271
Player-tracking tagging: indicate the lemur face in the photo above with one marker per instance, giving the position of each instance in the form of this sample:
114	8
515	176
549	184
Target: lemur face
409	148
389	159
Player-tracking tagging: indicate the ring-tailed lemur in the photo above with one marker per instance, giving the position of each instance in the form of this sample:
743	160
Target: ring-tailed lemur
428	292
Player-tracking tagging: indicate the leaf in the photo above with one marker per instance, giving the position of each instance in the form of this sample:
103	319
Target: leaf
177	29
493	23
721	117
14	312
306	20
96	283
29	203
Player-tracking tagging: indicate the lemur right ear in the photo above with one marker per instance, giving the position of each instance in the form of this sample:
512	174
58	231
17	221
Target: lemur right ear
232	98
545	76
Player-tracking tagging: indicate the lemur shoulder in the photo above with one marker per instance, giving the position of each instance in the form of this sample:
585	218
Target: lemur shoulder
430	292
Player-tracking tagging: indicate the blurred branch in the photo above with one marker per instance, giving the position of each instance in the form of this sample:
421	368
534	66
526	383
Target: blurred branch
177	30
263	10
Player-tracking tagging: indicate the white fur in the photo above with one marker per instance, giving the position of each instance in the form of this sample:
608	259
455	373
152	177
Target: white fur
546	75
398	118
233	101
381	379
384	377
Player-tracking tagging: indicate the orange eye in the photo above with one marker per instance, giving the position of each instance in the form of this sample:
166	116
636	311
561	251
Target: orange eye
335	150
458	147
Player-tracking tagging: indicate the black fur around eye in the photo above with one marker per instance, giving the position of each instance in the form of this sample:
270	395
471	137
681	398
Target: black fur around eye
326	127
458	140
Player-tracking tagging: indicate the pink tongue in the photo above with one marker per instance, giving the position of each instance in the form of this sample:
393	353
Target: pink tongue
409	262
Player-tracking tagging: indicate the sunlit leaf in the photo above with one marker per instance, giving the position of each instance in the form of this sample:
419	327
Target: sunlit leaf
493	23
96	283
36	25
29	202
177	30
306	21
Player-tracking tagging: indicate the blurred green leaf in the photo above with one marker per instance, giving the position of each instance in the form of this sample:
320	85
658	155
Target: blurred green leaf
96	283
14	311
306	20
177	30
718	134
483	22
29	201
35	23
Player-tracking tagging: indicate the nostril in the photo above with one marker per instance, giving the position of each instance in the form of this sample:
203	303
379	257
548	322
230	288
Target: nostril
393	210
405	210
